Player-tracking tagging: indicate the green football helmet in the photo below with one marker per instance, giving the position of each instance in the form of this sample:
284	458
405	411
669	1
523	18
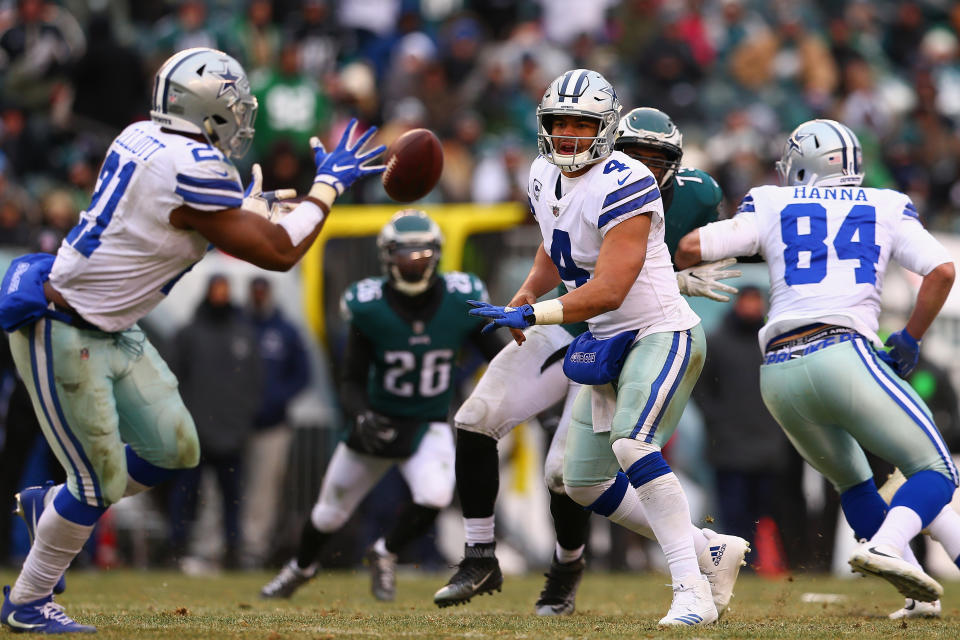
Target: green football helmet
647	128
409	246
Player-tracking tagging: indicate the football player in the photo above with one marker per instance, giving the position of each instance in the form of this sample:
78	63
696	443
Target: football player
691	198
601	215
107	403
406	329
825	377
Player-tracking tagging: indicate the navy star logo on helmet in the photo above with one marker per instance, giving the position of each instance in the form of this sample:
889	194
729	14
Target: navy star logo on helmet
228	80
795	140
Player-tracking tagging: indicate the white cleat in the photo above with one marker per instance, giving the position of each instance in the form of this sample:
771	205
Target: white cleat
915	609
885	562
692	604
720	563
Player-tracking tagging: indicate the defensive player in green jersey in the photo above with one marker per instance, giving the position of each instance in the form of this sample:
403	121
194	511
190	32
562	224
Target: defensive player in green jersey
498	403
406	329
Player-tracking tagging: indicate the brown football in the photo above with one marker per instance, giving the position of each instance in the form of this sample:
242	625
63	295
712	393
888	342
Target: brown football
414	164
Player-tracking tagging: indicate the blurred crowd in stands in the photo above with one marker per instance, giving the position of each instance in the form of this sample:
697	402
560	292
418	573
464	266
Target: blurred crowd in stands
736	75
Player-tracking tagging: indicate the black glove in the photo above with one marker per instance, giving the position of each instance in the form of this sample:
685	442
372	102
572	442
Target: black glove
373	431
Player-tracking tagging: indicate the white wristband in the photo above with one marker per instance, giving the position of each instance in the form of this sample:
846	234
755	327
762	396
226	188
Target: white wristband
324	192
301	222
548	312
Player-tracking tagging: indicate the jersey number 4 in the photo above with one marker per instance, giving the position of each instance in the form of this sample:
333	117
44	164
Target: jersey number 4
434	373
562	255
85	237
855	240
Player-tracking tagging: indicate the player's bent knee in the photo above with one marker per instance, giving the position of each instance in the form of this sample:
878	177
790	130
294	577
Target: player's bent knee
473	416
182	446
585	496
629	451
327	518
553	474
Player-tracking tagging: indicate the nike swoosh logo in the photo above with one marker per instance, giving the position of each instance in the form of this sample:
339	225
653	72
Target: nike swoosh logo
338	167
880	553
13	622
620	182
221	173
476	584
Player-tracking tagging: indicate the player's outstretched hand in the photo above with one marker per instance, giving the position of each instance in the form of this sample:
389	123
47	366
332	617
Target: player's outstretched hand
265	203
342	167
904	352
702	279
519	318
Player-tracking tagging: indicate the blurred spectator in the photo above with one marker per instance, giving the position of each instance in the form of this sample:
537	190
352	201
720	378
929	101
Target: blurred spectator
292	107
255	37
99	97
188	27
58	215
286	372
747	449
564	20
218	364
37	53
313	28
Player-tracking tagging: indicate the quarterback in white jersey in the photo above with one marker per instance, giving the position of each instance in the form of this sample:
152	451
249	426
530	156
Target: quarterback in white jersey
601	217
825	377
106	401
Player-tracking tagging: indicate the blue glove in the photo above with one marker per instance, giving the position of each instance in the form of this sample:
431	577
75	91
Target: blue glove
904	352
342	167
519	318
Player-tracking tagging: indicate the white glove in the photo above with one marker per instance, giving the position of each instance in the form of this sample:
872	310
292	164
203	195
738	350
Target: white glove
701	279
270	205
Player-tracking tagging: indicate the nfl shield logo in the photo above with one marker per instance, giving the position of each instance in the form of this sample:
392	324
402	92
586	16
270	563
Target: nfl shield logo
84	354
556	210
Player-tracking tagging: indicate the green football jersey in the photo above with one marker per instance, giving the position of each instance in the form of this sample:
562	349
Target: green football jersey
696	202
412	369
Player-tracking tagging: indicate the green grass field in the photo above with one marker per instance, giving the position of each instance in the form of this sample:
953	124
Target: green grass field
143	605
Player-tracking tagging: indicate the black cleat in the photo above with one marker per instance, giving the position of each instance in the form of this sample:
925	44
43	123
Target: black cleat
560	590
383	575
290	578
478	573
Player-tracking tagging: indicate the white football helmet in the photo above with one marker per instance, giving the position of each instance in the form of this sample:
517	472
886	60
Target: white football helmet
821	152
579	92
205	91
409	246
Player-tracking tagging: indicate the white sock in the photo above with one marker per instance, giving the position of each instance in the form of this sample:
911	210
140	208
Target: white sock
57	543
909	556
945	529
478	530
566	556
898	528
380	546
48	499
630	515
668	513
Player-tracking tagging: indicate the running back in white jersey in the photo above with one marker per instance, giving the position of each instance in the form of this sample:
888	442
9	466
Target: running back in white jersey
124	256
827	249
573	227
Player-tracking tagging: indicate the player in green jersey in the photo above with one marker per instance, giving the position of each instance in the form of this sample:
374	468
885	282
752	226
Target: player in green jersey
691	199
406	329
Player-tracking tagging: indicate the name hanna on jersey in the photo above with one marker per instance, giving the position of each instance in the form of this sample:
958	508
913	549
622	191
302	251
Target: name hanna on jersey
830	193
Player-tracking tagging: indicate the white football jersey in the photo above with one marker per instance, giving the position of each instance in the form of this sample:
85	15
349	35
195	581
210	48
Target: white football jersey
827	249
124	256
573	227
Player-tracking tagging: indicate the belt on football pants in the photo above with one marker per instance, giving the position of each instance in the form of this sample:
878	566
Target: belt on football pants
806	340
68	313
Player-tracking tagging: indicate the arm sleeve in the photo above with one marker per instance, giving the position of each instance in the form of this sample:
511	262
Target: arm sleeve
738	236
357	357
916	249
210	184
